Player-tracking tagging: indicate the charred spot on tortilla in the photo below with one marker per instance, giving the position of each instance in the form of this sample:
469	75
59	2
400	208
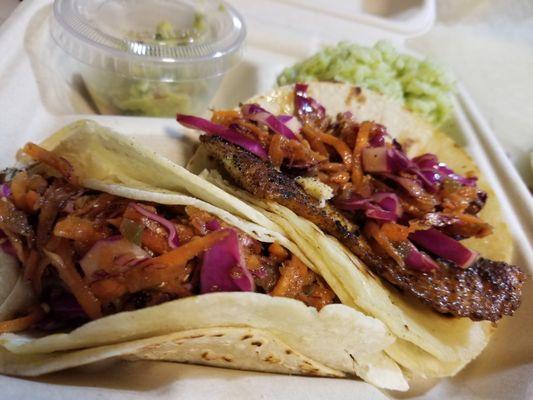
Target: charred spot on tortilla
479	293
354	95
194	337
272	359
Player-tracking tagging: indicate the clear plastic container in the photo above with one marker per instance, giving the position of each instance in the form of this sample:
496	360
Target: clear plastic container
149	57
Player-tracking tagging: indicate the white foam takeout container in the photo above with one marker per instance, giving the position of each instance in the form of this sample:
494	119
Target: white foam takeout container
34	102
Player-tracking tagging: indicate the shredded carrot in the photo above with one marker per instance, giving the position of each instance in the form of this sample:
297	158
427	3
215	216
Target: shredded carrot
185	233
37	279
311	135
155	237
252	261
47	157
198	220
31	264
190	250
398	233
19	187
340	147
37	183
275	150
108	289
22	323
80	229
225	117
469	225
278	251
360	182
165	269
331	167
340	178
23	196
299	282
456	198
155	242
373	230
320	295
61	259
32	199
261	134
294	276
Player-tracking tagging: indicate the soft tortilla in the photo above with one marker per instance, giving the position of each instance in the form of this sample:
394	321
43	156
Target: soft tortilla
337	337
336	341
429	344
235	347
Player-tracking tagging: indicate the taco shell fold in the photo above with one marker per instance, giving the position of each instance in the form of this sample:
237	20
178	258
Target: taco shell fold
428	344
254	331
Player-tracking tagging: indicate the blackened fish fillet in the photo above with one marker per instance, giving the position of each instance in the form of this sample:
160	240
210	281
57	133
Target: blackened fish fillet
485	291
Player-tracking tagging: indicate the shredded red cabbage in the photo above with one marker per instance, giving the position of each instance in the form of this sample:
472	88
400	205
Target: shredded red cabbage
400	162
223	268
418	260
436	172
411	186
444	246
256	113
5	191
213	225
426	167
305	105
378	135
382	206
129	260
114	251
376	160
292	122
225	133
173	239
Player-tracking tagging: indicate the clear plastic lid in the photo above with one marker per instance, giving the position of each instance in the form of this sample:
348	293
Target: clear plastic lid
170	39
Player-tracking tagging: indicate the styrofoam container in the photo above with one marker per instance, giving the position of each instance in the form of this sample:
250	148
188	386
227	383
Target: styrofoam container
35	101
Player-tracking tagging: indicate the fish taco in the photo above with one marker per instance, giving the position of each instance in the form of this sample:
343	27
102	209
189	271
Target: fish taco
397	213
107	251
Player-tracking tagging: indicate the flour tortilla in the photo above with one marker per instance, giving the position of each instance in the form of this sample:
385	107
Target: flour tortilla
229	347
428	344
338	339
291	337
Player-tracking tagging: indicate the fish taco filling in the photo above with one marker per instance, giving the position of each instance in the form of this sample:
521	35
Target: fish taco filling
405	218
88	254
